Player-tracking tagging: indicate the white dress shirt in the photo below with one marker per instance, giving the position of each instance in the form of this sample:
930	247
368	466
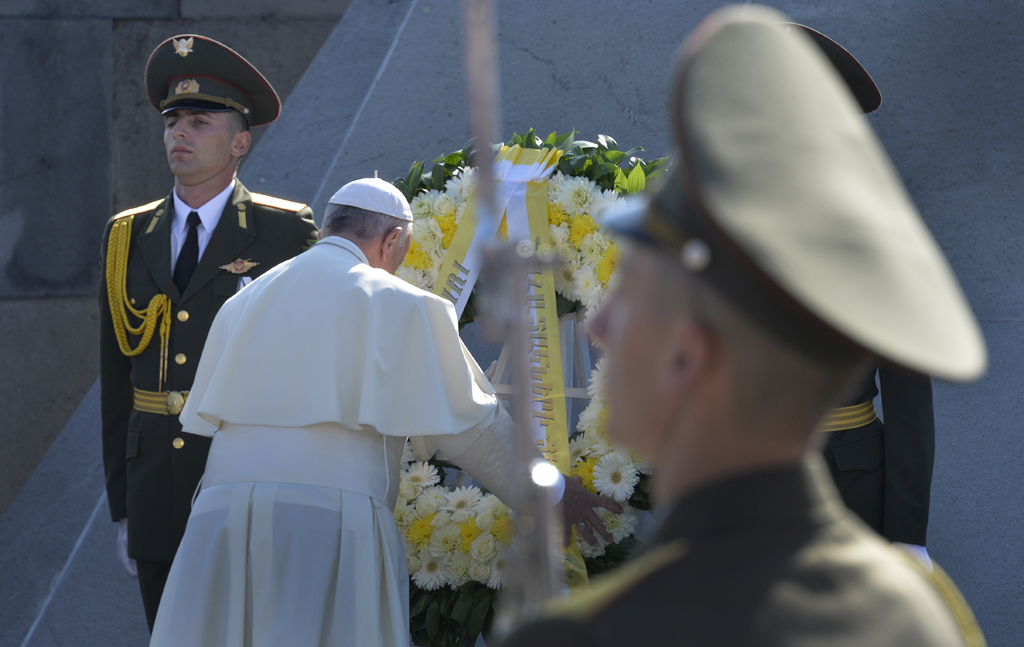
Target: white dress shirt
209	215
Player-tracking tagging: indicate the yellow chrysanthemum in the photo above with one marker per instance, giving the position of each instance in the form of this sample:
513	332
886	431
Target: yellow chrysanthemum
503	530
417	259
607	266
421	530
585	470
469	532
556	215
579	227
448	226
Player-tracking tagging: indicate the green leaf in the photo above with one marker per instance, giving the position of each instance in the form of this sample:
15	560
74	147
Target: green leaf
584	145
462	608
476	620
549	141
421	603
620	181
433	619
614	156
437	177
607	143
637	180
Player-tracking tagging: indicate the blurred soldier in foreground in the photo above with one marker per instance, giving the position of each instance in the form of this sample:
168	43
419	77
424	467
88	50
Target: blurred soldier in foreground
779	260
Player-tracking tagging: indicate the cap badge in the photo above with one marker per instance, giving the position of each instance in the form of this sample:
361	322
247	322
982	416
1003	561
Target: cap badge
188	86
239	266
696	255
183	47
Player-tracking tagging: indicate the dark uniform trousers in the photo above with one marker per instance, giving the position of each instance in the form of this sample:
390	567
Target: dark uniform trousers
884	471
152	467
766	558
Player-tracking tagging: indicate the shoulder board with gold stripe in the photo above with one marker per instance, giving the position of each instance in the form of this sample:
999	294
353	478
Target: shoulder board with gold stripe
145	207
605	590
277	203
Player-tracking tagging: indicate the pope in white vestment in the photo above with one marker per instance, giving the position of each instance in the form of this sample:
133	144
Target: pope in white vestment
311	379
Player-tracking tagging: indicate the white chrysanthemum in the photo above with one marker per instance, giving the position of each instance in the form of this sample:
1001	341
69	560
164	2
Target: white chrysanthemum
427	234
463	499
602	200
408	456
640	463
462	185
575	195
588	420
587	286
408	491
404	513
441	518
615	476
430	576
596	387
413	277
458	568
422	205
498	566
599	444
412	561
565	274
591	551
421	474
445	205
479	571
555	183
619	525
431	277
445	539
593	247
489	503
559	234
578	448
429	501
483	547
459	210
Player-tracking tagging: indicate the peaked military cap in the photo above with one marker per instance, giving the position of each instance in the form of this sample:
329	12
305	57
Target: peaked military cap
199	73
785	202
849	68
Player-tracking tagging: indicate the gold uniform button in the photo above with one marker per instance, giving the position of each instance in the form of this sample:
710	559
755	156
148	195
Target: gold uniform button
131	301
180	358
182	315
178	443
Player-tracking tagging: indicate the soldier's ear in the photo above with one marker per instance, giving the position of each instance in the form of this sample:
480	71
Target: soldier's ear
691	349
240	143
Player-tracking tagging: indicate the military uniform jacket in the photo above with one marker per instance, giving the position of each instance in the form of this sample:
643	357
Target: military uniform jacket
765	558
884	471
152	467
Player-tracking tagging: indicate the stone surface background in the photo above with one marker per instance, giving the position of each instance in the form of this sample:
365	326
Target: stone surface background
80	141
387	89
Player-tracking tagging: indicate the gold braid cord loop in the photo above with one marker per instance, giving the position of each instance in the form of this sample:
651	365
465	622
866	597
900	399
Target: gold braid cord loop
121	309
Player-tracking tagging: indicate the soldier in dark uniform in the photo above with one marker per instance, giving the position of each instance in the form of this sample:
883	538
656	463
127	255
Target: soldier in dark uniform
882	472
166	269
747	305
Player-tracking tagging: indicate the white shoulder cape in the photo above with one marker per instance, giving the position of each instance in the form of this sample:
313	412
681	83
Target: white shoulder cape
324	337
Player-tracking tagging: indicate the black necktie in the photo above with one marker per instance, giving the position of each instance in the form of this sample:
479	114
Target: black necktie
188	257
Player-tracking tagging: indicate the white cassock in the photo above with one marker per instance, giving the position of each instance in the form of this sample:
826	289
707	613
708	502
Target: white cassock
309	383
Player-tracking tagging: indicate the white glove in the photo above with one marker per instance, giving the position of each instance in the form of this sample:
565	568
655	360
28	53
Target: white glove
122	549
920	553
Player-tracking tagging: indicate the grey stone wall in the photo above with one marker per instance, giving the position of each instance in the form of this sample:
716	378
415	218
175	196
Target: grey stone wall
79	141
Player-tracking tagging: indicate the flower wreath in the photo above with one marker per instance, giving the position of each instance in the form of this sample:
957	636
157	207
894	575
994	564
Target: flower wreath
456	537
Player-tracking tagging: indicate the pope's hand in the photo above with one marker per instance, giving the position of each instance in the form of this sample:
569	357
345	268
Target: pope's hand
122	549
578	505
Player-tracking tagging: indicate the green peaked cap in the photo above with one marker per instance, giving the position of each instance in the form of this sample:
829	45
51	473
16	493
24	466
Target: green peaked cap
195	72
785	202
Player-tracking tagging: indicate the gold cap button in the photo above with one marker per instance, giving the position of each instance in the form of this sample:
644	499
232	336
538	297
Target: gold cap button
180	358
178	443
182	315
